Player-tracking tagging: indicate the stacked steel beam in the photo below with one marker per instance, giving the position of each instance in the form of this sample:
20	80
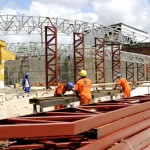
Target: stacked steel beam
118	125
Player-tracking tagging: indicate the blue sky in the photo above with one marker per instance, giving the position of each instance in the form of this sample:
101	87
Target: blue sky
24	4
131	12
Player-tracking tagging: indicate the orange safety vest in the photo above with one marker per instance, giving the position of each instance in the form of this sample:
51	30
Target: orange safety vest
60	90
125	87
83	88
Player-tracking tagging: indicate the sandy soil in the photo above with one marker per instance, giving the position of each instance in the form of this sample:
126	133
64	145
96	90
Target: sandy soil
11	106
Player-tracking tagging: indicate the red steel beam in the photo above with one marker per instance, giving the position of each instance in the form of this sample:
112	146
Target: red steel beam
78	39
51	145
51	55
140	72
116	137
147	72
116	62
99	60
136	142
73	128
146	148
130	71
121	123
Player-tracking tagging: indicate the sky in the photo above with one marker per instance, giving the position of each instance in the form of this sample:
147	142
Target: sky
135	13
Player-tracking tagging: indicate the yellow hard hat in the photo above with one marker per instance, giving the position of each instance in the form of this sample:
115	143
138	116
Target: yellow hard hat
83	73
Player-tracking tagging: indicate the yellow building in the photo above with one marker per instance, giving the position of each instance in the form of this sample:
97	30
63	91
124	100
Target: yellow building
4	55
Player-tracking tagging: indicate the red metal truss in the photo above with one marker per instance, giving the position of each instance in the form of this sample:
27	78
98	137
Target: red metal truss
116	62
78	39
140	72
51	55
45	124
130	71
147	72
99	60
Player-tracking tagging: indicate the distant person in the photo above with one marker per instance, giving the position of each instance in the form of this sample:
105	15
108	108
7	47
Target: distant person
26	83
83	88
125	86
61	89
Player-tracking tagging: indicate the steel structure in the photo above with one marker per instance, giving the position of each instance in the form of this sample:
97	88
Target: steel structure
116	61
11	24
78	54
140	72
99	60
148	72
95	126
130	71
15	24
51	56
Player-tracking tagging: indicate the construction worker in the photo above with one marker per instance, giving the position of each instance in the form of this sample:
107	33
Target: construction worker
26	83
124	84
83	88
61	89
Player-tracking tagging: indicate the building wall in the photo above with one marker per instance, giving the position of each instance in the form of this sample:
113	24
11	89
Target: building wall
15	70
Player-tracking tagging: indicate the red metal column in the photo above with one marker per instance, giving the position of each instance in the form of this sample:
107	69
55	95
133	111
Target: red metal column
51	56
147	72
130	71
99	60
140	72
116	63
78	39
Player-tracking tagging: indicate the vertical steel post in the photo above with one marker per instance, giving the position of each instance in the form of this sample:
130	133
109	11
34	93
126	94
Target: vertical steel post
147	72
130	71
140	72
51	56
99	60
78	39
116	63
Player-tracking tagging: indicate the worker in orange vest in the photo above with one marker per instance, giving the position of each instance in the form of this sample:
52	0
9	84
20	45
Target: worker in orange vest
61	89
125	86
83	88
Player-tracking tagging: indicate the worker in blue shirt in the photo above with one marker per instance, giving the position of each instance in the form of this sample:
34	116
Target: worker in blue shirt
26	83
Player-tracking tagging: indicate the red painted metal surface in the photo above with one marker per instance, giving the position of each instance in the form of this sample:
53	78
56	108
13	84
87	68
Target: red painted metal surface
135	142
140	72
147	72
100	60
116	61
72	142
103	131
116	137
146	148
130	71
78	39
51	55
88	127
74	125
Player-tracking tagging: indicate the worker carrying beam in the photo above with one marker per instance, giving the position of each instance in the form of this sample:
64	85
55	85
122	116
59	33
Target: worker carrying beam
83	88
61	89
125	86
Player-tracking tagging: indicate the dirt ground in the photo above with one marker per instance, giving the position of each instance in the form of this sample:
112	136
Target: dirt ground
13	106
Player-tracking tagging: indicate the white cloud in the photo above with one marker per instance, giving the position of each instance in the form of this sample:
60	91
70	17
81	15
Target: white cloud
131	12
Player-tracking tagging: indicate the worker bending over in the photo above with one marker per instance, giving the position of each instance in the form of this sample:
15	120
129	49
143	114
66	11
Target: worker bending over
61	89
125	86
83	88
